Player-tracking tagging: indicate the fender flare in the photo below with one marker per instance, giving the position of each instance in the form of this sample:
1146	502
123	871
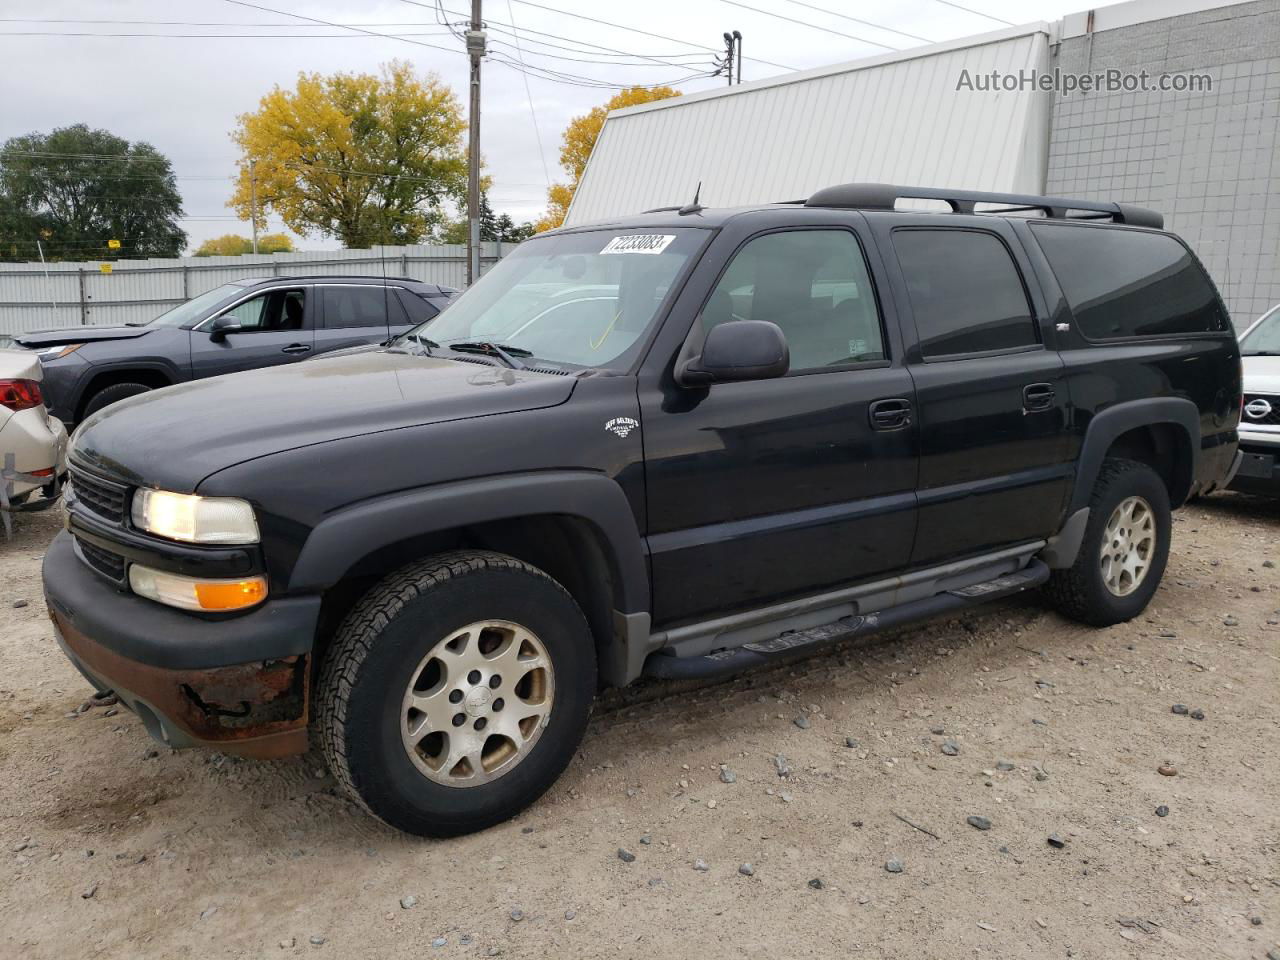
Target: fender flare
96	370
1106	426
344	537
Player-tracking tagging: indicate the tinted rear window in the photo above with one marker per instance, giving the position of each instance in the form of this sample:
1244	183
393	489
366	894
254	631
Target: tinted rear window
361	306
420	309
966	293
1128	283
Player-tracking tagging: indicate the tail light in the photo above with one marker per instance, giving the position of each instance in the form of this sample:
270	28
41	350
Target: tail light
20	394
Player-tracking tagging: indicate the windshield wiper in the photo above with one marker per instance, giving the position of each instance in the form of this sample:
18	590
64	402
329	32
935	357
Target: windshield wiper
425	343
506	354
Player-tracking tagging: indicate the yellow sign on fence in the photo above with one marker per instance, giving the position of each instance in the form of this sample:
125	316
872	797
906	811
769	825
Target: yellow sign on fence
113	244
104	267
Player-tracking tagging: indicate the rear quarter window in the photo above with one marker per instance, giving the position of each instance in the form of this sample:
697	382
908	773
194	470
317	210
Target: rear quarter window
1123	283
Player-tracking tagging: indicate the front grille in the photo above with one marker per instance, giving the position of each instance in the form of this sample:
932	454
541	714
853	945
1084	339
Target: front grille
102	497
105	562
1265	410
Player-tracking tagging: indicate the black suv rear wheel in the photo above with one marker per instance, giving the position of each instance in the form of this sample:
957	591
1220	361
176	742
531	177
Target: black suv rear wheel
1124	551
456	692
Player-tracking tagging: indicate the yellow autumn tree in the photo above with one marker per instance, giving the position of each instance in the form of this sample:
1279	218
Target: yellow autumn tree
365	158
234	245
579	140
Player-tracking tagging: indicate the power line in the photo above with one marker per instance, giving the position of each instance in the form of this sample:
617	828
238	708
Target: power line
537	134
330	23
979	13
867	23
619	26
812	26
214	36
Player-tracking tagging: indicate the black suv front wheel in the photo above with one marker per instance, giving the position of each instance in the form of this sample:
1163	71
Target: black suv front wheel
456	692
1124	551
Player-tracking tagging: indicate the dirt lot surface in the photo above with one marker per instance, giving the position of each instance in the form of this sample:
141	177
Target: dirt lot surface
113	847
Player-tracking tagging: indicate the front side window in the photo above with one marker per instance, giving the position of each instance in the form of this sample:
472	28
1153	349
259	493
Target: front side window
1129	283
580	299
361	306
814	285
279	311
966	293
1264	339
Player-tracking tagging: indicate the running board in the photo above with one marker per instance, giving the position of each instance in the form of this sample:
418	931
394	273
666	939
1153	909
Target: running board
664	666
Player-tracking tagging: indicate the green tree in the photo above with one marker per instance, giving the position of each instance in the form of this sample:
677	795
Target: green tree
234	245
77	188
493	226
367	159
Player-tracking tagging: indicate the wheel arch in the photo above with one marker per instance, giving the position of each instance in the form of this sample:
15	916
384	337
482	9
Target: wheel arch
575	526
1162	432
153	375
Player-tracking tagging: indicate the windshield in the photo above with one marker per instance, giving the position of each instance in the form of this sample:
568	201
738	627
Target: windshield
189	311
578	299
1264	339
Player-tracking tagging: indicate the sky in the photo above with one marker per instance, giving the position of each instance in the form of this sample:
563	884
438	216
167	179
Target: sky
182	94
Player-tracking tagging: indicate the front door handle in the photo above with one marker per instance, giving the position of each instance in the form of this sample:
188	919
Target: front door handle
892	414
296	348
1037	397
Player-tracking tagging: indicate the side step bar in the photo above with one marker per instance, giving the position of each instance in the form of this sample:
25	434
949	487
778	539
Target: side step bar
722	663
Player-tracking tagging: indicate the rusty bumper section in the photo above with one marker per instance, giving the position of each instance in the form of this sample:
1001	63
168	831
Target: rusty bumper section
253	709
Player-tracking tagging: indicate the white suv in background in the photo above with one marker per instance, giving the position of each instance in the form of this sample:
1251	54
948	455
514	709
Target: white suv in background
33	445
1260	419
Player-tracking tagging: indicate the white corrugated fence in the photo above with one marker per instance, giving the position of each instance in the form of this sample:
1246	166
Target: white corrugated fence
36	297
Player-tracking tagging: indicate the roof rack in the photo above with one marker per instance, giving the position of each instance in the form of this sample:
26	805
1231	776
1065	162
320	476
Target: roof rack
883	196
333	277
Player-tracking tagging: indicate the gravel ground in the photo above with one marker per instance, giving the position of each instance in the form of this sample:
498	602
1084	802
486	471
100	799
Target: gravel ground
758	818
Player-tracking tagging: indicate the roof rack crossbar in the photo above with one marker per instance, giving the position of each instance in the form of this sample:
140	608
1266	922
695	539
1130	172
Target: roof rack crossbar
883	196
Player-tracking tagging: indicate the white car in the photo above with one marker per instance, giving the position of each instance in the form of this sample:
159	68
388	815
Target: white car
33	445
1260	417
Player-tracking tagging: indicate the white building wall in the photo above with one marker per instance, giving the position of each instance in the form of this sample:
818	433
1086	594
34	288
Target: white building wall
896	118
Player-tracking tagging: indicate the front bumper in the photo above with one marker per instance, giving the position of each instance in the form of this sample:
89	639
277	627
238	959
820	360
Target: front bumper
237	684
1259	470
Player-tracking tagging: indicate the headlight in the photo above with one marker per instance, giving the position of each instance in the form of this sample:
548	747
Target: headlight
58	351
181	516
188	594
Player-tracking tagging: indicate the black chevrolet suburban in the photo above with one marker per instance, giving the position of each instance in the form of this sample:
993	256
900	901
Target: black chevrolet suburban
674	445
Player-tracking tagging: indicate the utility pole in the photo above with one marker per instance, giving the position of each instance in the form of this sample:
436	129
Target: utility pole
737	52
253	200
475	50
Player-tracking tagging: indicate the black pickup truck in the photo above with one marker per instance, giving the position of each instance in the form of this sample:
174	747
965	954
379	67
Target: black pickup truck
678	444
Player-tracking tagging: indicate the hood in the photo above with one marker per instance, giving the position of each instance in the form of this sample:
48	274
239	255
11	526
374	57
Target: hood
1261	374
51	338
175	437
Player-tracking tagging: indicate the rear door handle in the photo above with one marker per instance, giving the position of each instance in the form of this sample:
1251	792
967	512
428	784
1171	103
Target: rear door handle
1037	397
296	348
891	414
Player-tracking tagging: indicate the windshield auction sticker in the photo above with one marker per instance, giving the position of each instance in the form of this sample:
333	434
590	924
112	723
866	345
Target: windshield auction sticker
639	243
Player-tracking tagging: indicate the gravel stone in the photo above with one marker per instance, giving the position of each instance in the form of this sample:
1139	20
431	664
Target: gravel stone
88	892
409	902
625	855
1056	841
1167	770
1180	709
1230	622
978	822
1197	714
439	942
646	839
851	743
1162	811
894	865
516	914
802	721
208	912
747	870
316	940
570	914
950	748
19	604
727	775
701	866
817	884
780	764
1005	765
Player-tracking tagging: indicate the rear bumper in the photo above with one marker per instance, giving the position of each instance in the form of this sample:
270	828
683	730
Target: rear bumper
240	685
33	451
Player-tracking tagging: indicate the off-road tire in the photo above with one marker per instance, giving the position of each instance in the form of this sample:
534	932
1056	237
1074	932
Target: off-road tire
1080	592
374	653
113	394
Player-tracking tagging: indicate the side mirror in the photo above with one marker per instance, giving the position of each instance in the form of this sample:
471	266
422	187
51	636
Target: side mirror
223	325
738	350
